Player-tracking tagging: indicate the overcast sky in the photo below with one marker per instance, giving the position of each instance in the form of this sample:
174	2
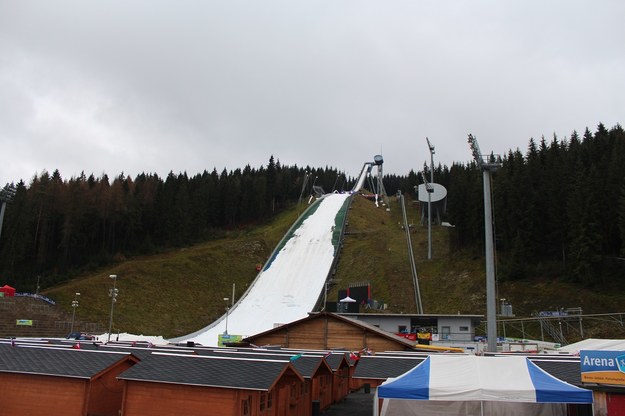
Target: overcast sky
157	86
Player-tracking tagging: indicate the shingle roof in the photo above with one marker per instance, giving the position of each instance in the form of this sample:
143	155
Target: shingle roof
335	360
208	371
384	367
143	351
55	361
306	365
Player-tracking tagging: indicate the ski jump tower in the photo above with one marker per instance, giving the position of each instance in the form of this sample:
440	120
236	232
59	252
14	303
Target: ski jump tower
377	186
378	161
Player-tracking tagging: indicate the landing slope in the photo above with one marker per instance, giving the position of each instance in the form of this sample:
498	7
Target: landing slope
290	283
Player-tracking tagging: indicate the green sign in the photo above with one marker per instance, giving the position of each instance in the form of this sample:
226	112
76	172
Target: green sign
225	338
24	322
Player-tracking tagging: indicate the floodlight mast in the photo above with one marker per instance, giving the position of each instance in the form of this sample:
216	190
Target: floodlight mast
431	147
429	189
491	302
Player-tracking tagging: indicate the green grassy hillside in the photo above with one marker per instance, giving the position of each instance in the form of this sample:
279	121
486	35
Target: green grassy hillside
179	292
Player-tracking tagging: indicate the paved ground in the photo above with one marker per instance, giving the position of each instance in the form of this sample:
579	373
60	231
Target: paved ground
357	403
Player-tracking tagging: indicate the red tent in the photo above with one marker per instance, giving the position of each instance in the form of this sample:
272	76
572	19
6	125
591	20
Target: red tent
8	290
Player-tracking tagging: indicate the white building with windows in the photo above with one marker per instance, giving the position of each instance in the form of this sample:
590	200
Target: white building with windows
447	329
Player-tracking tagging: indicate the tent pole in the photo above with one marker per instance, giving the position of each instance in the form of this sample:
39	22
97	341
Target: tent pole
375	403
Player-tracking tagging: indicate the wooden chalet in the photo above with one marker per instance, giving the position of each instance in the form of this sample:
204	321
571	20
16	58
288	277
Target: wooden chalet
327	331
192	385
318	376
342	374
61	381
314	369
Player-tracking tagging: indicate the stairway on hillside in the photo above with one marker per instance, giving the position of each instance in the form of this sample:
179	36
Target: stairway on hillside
31	317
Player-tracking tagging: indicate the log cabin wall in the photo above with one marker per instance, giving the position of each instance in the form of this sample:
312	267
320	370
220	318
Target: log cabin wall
40	395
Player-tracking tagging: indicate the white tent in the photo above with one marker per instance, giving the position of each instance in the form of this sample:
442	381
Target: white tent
473	385
595	344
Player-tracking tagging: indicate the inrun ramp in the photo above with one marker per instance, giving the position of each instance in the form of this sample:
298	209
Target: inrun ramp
290	283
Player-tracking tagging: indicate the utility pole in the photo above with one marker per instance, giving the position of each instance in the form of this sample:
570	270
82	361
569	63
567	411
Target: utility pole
487	167
430	189
113	294
227	309
74	306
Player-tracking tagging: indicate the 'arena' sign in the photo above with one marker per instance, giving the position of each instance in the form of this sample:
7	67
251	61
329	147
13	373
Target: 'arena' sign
603	367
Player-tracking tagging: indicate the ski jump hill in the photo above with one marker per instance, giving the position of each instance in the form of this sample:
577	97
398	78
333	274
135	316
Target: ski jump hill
291	282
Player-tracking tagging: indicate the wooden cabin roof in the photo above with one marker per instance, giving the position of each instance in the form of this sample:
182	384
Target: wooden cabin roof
334	358
209	371
306	365
64	362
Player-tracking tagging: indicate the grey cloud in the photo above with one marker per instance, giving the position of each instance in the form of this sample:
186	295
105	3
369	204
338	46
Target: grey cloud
161	86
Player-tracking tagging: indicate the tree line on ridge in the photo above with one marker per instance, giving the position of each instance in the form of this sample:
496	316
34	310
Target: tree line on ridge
559	211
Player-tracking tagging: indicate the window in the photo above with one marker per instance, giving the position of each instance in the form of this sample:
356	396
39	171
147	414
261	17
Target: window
296	394
245	407
445	332
402	329
464	329
269	400
263	399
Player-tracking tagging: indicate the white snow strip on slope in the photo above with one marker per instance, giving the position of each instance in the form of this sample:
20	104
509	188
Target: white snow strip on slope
290	287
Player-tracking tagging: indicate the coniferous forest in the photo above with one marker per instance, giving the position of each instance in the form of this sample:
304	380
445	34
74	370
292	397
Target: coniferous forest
559	211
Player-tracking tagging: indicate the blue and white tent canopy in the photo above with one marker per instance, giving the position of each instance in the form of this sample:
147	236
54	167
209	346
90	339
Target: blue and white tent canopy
477	379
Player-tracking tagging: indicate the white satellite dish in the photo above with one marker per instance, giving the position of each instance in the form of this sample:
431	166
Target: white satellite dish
440	192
